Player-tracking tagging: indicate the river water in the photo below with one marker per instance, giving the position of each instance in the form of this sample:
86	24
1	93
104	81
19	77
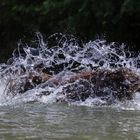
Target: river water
35	121
28	113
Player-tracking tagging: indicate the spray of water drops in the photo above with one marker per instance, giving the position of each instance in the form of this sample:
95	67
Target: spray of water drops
61	56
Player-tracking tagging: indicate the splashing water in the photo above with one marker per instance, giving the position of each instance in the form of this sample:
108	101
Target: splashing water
61	57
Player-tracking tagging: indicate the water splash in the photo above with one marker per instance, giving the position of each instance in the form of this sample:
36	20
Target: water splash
61	57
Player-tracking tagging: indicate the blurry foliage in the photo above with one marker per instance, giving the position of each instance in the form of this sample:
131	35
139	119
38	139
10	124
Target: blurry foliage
118	20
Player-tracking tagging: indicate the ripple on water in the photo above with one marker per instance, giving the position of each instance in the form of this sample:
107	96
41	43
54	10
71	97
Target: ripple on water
60	121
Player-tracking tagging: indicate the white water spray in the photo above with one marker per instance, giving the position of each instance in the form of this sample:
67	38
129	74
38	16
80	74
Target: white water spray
62	60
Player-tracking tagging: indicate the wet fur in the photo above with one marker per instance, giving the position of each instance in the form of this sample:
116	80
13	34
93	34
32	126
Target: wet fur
109	85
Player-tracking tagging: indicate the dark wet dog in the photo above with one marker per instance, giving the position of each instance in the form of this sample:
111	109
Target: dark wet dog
108	85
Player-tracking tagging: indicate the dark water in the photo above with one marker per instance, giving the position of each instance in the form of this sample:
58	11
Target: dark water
37	121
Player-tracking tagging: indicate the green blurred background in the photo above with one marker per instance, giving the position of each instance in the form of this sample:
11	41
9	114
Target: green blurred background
117	20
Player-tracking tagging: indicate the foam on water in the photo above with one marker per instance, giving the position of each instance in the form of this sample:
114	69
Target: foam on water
62	56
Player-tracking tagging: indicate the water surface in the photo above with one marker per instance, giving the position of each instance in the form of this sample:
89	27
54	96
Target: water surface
34	121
